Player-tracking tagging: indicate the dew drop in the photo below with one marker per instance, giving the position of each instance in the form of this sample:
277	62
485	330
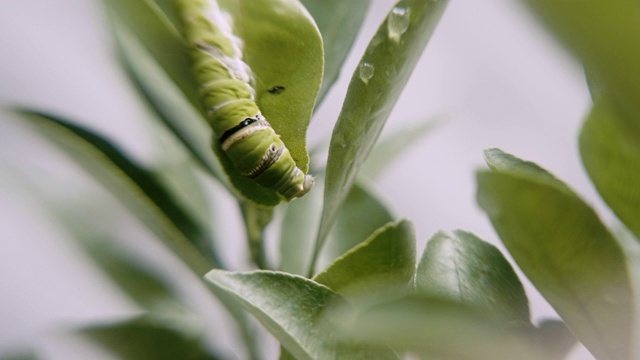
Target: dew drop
398	22
366	72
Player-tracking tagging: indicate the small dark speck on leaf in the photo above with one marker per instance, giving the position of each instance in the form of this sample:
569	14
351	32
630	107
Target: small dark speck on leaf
276	89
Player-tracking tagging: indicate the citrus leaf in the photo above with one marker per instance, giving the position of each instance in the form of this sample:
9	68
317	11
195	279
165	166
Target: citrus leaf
339	22
292	308
147	339
132	184
463	268
560	244
361	214
611	155
605	35
385	261
375	86
283	47
435	328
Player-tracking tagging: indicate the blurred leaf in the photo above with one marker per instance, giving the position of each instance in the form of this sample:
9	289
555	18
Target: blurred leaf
435	328
297	233
144	338
391	147
18	354
339	22
256	219
386	261
167	103
132	277
190	129
133	185
463	268
605	35
611	155
361	214
283	47
291	308
563	248
154	30
555	337
171	11
375	86
179	176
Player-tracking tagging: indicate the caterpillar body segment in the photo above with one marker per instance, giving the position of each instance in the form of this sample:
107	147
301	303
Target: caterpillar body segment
226	93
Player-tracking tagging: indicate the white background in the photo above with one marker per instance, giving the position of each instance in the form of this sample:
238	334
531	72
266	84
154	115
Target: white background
490	70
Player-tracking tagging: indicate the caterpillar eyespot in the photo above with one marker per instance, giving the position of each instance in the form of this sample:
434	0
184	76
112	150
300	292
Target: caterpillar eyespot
276	89
226	93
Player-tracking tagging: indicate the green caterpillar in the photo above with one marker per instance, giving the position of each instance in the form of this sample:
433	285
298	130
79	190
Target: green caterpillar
226	93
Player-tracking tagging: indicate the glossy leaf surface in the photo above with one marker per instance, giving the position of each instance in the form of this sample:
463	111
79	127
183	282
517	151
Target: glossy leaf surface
463	268
293	309
563	248
384	262
375	86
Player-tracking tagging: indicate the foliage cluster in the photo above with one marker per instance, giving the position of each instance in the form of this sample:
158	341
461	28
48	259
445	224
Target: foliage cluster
461	299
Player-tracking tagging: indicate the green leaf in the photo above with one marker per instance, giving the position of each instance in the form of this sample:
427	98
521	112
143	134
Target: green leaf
563	248
283	47
605	35
154	30
339	22
144	338
611	155
289	306
292	308
435	328
392	146
385	261
133	185
463	268
361	214
375	86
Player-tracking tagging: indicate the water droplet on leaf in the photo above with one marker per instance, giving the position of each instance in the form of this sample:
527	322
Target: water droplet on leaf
366	72
398	22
